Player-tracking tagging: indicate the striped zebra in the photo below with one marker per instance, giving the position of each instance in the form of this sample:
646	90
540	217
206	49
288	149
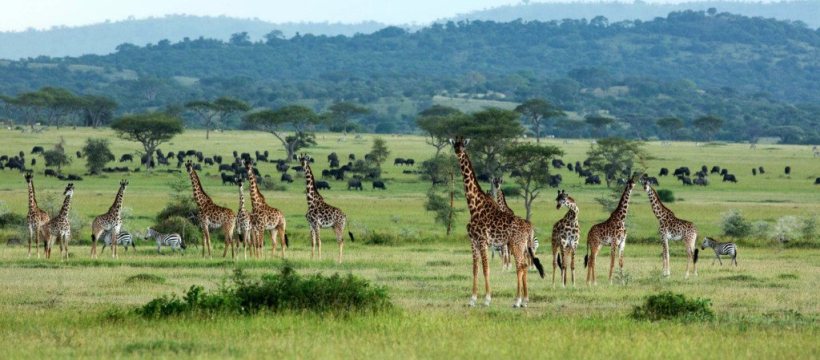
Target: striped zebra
720	248
173	240
123	239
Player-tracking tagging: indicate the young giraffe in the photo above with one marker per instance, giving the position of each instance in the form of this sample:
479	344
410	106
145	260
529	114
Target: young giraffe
59	228
672	228
490	226
110	221
502	205
565	235
320	214
264	217
611	232
36	218
211	216
243	222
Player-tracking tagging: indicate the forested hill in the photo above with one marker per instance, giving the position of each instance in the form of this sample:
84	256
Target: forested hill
747	70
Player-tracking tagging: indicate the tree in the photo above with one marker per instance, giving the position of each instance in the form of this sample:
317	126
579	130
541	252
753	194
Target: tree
57	156
214	113
436	123
616	158
708	125
299	118
97	154
537	112
531	164
671	125
240	39
340	115
379	152
97	110
598	123
149	129
490	131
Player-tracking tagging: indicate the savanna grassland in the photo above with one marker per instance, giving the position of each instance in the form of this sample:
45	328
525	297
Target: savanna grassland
765	308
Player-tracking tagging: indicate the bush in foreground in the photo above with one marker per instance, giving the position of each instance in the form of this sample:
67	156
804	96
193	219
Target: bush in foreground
671	306
286	291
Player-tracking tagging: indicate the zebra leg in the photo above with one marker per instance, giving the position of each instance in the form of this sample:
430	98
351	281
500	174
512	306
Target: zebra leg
720	261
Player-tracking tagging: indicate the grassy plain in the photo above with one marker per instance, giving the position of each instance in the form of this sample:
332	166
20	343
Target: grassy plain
767	307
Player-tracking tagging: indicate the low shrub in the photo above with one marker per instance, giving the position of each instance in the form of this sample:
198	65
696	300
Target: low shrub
734	224
12	220
380	238
671	306
286	291
666	195
145	278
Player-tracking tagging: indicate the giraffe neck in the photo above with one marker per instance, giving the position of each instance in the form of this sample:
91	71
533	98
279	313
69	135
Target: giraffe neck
620	212
117	205
32	200
476	198
313	196
257	198
660	211
501	200
572	211
241	197
66	207
202	199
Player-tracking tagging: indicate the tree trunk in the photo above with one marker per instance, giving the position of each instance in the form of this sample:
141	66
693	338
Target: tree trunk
452	199
207	132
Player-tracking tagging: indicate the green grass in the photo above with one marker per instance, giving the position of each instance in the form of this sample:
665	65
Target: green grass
84	307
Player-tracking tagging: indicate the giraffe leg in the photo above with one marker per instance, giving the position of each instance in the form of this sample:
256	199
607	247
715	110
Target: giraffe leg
572	266
115	234
206	243
666	271
339	240
621	248
38	234
474	295
30	236
554	264
319	241
612	252
281	231
485	265
312	242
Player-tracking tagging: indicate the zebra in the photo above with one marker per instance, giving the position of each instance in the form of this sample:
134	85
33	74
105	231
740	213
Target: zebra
727	248
173	240
123	239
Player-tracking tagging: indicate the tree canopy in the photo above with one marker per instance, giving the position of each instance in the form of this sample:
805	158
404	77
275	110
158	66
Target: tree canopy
531	165
537	112
616	158
299	119
149	129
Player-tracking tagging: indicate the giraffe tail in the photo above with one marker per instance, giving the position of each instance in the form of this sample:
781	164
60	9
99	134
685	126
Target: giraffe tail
695	257
351	236
94	239
586	257
536	262
558	258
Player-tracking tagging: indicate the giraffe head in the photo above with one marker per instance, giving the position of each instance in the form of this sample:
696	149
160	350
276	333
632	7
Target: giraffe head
497	181
304	160
238	180
563	199
459	143
644	179
29	175
248	164
69	190
123	183
189	166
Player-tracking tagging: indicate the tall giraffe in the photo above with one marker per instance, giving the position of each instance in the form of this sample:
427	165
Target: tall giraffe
59	227
502	205
672	228
211	216
320	214
243	221
611	232
565	235
36	217
489	225
110	221
264	217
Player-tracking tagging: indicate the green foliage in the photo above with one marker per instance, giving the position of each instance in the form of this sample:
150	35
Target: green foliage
379	152
149	129
537	112
97	154
380	238
666	195
671	306
531	165
145	278
437	123
298	118
599	123
490	132
734	224
708	125
616	158
11	220
340	115
439	169
286	291
439	205
671	125
57	156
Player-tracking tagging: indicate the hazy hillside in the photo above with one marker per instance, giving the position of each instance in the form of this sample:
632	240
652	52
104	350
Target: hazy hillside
807	11
103	38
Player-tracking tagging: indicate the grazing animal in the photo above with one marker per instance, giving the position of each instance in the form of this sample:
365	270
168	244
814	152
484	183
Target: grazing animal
557	163
409	162
243	222
59	228
321	215
127	157
37	150
378	184
228	179
286	178
172	240
111	221
684	179
33	162
754	172
36	218
788	170
593	180
611	232
720	248
761	170
701	181
265	217
555	180
398	161
817	181
322	184
715	170
724	171
211	215
569	167
671	227
355	184
123	239
730	178
565	236
489	226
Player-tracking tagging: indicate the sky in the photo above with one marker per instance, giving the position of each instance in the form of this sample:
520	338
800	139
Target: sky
19	15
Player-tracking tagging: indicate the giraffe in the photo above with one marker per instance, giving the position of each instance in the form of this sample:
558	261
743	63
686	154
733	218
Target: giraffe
565	235
672	228
320	214
211	215
110	221
59	227
611	232
489	225
243	221
264	217
502	205
36	217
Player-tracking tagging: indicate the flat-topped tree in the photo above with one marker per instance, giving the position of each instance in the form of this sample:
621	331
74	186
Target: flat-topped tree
492	131
531	165
149	129
436	122
616	158
214	113
295	118
537	112
341	113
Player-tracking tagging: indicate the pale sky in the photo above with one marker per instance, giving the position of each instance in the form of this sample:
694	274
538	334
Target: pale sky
18	15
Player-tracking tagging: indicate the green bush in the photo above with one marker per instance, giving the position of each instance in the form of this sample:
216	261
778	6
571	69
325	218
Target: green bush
12	220
670	306
380	238
666	195
511	191
286	291
733	224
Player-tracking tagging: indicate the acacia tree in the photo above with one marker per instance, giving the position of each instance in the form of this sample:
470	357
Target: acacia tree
340	115
598	123
97	154
436	122
97	110
149	129
213	113
531	164
490	131
538	112
57	156
616	158
300	119
708	125
671	125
